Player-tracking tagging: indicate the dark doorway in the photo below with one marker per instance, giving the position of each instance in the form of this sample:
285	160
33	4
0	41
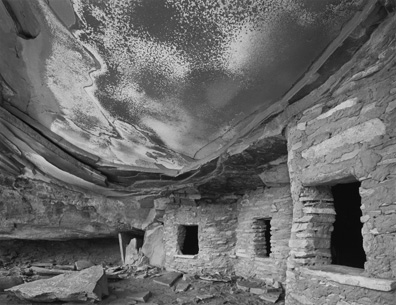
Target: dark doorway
262	238
346	239
188	240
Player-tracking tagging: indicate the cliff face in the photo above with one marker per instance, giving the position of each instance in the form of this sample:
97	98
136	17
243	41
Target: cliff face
38	210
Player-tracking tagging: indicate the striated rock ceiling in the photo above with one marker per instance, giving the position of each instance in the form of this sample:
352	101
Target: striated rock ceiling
125	97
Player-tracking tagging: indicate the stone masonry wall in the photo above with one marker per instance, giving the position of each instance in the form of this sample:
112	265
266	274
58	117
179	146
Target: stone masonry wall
315	290
216	235
274	203
350	134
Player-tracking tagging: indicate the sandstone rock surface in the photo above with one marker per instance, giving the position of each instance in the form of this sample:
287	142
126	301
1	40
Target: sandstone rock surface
9	281
131	252
87	285
153	246
83	264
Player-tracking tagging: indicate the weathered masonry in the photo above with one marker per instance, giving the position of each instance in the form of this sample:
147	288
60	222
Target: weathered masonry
347	138
211	235
327	233
297	192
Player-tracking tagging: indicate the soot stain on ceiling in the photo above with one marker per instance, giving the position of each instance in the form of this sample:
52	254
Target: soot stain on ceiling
185	71
148	85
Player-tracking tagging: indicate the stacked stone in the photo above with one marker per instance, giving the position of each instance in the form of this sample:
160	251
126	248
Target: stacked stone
379	225
270	203
350	134
282	214
311	233
216	236
252	207
259	228
313	290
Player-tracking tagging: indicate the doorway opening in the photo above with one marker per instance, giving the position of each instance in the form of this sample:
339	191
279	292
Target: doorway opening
346	239
188	239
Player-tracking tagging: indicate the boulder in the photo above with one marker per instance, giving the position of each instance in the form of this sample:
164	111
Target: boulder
131	252
10	281
153	217
153	246
276	175
87	285
139	296
83	264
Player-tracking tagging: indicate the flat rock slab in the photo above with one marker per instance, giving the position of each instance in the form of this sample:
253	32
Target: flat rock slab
86	285
247	285
204	297
10	281
271	297
83	264
182	286
168	279
140	296
43	265
184	301
255	290
45	271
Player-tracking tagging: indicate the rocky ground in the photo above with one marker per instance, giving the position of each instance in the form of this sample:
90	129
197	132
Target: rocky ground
32	261
120	292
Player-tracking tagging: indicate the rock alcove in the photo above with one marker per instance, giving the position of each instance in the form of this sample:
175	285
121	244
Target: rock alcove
216	139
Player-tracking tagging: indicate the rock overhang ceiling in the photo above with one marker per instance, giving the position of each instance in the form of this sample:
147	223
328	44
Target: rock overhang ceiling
139	91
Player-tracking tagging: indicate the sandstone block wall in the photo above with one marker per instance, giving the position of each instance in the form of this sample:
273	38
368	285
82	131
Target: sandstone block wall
350	134
315	290
216	235
273	203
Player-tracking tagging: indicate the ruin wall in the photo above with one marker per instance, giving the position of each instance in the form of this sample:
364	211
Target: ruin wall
350	134
216	236
272	203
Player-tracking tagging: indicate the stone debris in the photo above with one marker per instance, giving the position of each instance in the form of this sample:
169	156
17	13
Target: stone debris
245	285
131	252
140	296
65	267
8	281
189	277
183	301
271	297
141	276
87	285
117	272
215	278
126	271
269	294
204	297
83	264
46	271
169	278
43	265
182	286
257	290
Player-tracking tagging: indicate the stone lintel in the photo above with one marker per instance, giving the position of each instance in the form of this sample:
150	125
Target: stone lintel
350	276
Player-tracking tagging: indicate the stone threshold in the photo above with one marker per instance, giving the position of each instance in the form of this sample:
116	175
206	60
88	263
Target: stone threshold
186	256
349	276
